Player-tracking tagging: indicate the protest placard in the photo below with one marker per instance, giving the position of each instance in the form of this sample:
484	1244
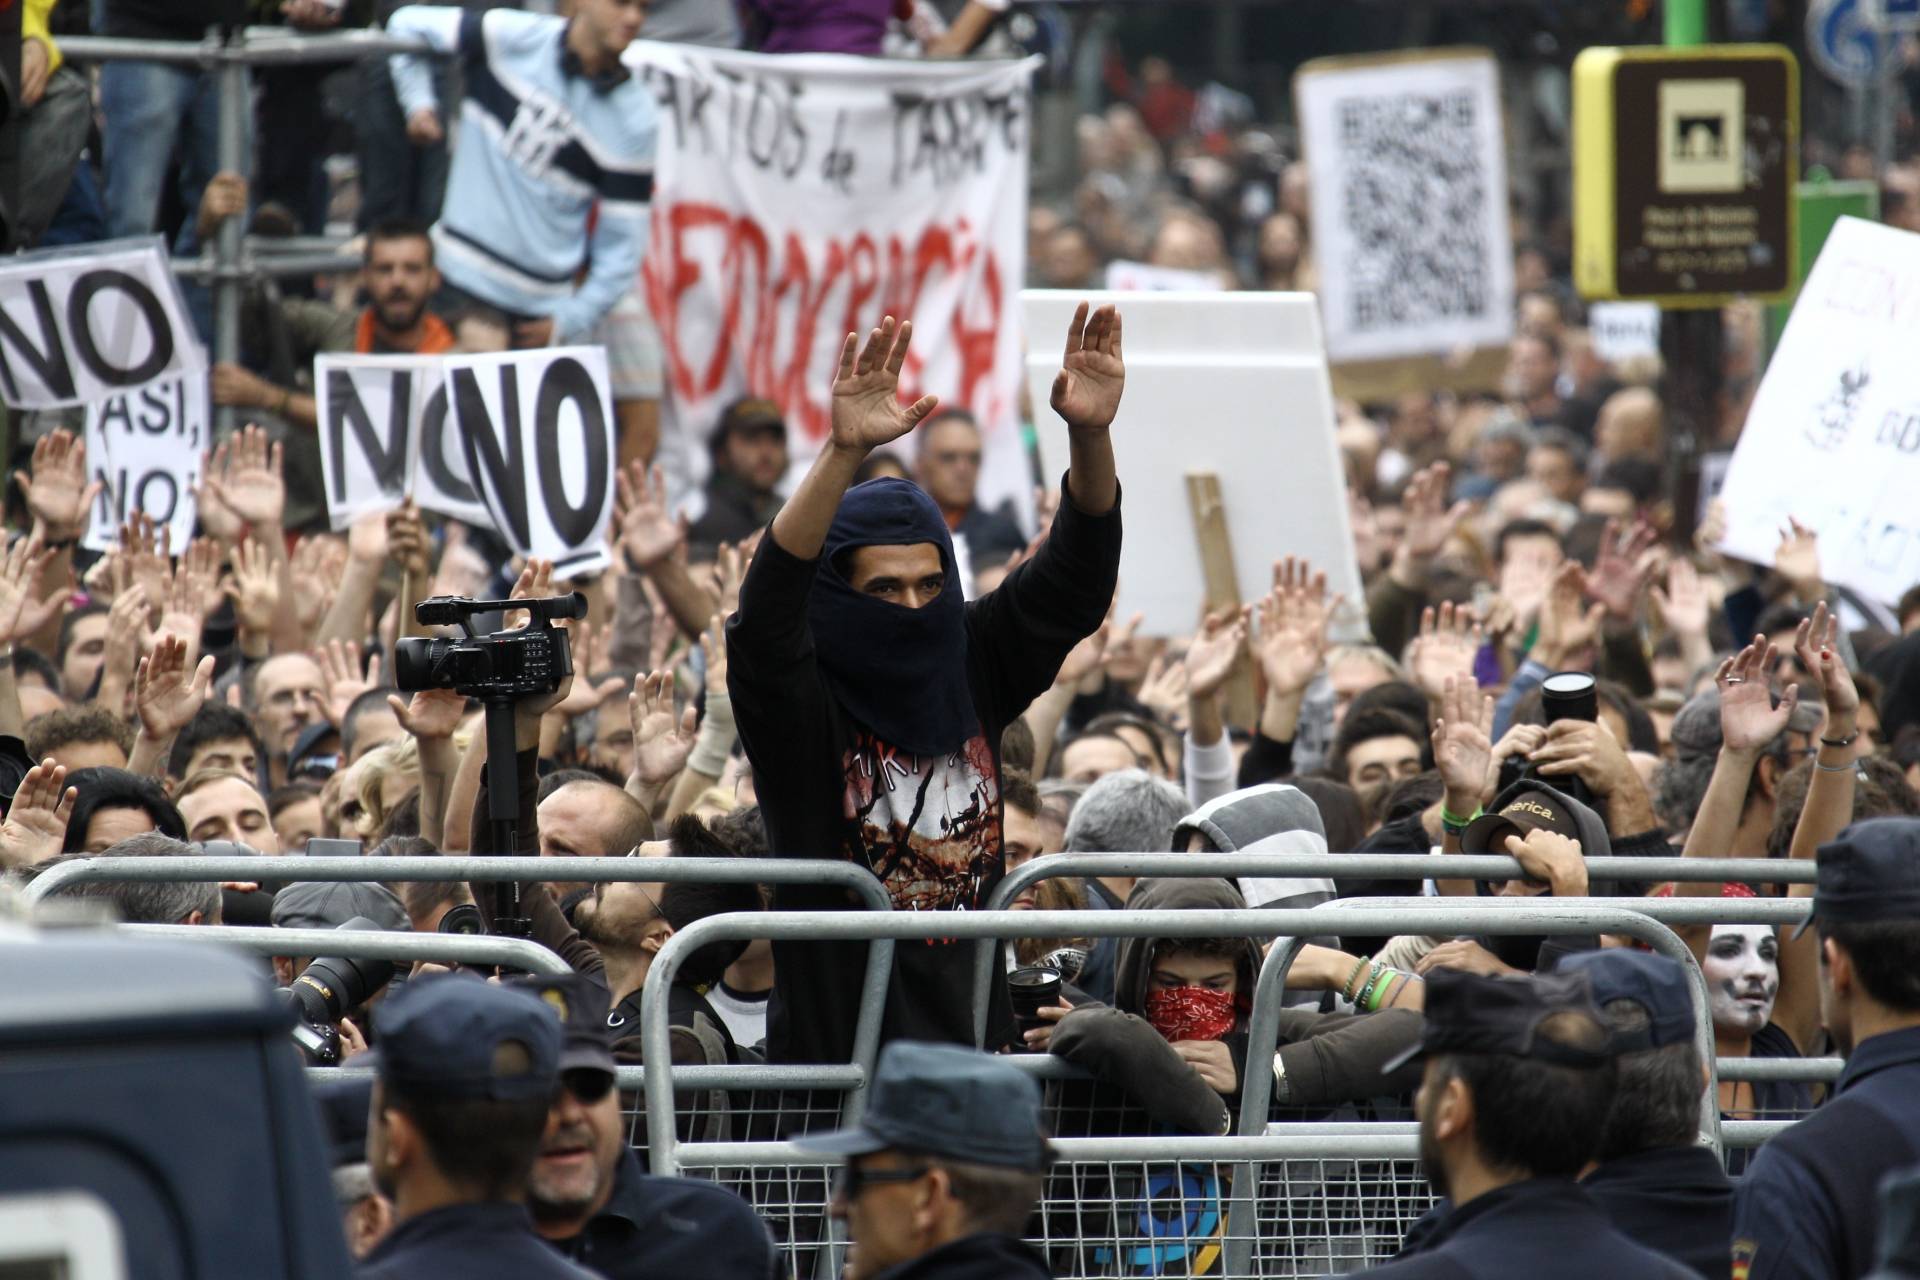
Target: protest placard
1407	164
144	447
369	409
1833	437
785	217
80	325
1232	384
536	430
1624	330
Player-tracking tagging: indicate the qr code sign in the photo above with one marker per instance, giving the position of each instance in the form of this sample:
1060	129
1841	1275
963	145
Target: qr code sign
1413	191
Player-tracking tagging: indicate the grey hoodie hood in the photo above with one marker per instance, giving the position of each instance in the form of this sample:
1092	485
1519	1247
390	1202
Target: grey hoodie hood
1133	964
1271	818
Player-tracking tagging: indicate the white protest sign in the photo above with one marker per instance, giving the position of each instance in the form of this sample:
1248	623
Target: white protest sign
1231	383
1141	277
144	448
80	325
1833	437
802	196
369	409
537	435
1408	176
1624	330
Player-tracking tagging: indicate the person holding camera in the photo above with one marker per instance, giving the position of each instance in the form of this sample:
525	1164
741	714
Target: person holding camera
871	697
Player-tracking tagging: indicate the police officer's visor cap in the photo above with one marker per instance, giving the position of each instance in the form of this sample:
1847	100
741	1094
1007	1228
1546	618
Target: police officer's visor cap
949	1102
1868	873
1510	1017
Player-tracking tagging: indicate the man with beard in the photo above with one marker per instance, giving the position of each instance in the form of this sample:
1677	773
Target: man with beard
589	1199
466	1076
871	697
397	277
1519	1078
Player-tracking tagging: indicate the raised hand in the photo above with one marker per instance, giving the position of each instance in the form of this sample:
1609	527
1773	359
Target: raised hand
1525	577
1444	650
1568	627
1216	652
342	680
317	564
22	610
250	483
1463	744
534	583
162	693
254	587
1430	521
198	573
430	714
1817	645
182	615
1163	690
647	532
1683	604
1797	559
1093	373
713	645
36	823
1518	740
730	571
148	554
1292	640
217	519
1626	561
1585	749
55	485
1749	718
866	409
662	741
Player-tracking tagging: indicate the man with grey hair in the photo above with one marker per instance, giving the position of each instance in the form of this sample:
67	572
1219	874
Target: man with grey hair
1680	787
150	901
1128	811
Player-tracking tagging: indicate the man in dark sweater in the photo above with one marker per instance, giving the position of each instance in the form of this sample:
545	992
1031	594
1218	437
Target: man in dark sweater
870	698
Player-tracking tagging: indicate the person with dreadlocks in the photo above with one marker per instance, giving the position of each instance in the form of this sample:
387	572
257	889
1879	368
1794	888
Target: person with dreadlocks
870	696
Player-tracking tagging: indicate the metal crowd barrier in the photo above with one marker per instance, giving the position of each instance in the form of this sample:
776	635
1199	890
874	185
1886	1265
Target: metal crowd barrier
857	881
1389	866
367	944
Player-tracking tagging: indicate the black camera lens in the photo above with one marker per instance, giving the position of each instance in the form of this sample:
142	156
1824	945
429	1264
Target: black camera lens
1031	990
464	918
416	659
1569	695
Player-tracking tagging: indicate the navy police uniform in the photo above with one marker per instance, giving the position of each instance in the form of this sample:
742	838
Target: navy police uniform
438	1039
1545	1226
1808	1205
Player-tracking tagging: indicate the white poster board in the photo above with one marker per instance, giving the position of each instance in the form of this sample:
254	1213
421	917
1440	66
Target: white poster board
1141	277
1232	383
80	325
1833	437
1624	330
144	447
538	434
369	409
798	197
1408	177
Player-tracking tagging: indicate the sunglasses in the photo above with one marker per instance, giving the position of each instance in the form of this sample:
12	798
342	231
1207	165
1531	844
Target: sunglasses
852	1179
587	1085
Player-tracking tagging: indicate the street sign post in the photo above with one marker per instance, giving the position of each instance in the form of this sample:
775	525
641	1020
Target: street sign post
1684	169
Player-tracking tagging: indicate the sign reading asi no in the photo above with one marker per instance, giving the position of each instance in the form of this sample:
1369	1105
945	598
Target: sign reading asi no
1683	174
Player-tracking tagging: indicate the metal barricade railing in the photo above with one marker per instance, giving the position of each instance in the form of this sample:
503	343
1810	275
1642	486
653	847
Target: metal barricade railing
857	881
1363	866
367	944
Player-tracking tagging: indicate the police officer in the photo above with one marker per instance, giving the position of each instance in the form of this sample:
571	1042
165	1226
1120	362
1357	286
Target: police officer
943	1171
1807	1205
1519	1072
466	1072
590	1200
1654	1180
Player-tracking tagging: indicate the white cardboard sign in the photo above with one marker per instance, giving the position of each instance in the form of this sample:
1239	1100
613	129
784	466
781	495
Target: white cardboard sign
537	430
144	447
1407	164
80	325
1833	437
1232	383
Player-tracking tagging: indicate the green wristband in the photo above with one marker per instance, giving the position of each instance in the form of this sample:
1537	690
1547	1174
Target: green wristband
1451	821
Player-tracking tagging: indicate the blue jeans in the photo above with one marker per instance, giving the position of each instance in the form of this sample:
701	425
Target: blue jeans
151	109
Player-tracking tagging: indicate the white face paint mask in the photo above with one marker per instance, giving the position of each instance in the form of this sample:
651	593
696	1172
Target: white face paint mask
1743	976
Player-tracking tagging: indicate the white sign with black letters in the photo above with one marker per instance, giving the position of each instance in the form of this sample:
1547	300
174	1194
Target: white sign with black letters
144	447
369	409
80	325
537	429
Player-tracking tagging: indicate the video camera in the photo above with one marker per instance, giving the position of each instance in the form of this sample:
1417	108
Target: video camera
331	987
526	663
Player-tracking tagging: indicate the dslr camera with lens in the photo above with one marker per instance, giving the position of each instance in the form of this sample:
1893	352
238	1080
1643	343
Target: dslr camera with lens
1565	695
332	987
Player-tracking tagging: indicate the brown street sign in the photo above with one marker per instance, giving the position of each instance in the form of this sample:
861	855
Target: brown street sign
1684	168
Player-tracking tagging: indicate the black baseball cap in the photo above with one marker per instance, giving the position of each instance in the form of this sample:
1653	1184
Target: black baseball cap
581	1005
440	1035
1466	1013
1526	808
1655	983
1867	873
946	1101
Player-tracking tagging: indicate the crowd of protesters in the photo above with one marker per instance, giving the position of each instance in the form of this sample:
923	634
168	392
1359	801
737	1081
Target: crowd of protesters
802	670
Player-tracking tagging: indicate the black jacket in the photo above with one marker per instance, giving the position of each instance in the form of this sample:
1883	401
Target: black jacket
471	1241
1674	1200
655	1227
981	1257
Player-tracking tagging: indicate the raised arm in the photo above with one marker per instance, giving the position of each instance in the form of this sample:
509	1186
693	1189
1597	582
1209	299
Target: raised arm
1086	395
1463	753
867	414
1828	808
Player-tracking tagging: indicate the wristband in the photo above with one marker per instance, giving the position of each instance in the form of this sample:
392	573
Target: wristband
1380	989
1848	767
1346	988
1453	822
1839	742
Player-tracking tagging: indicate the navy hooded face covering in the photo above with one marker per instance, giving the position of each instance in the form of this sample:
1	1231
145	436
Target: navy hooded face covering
899	672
